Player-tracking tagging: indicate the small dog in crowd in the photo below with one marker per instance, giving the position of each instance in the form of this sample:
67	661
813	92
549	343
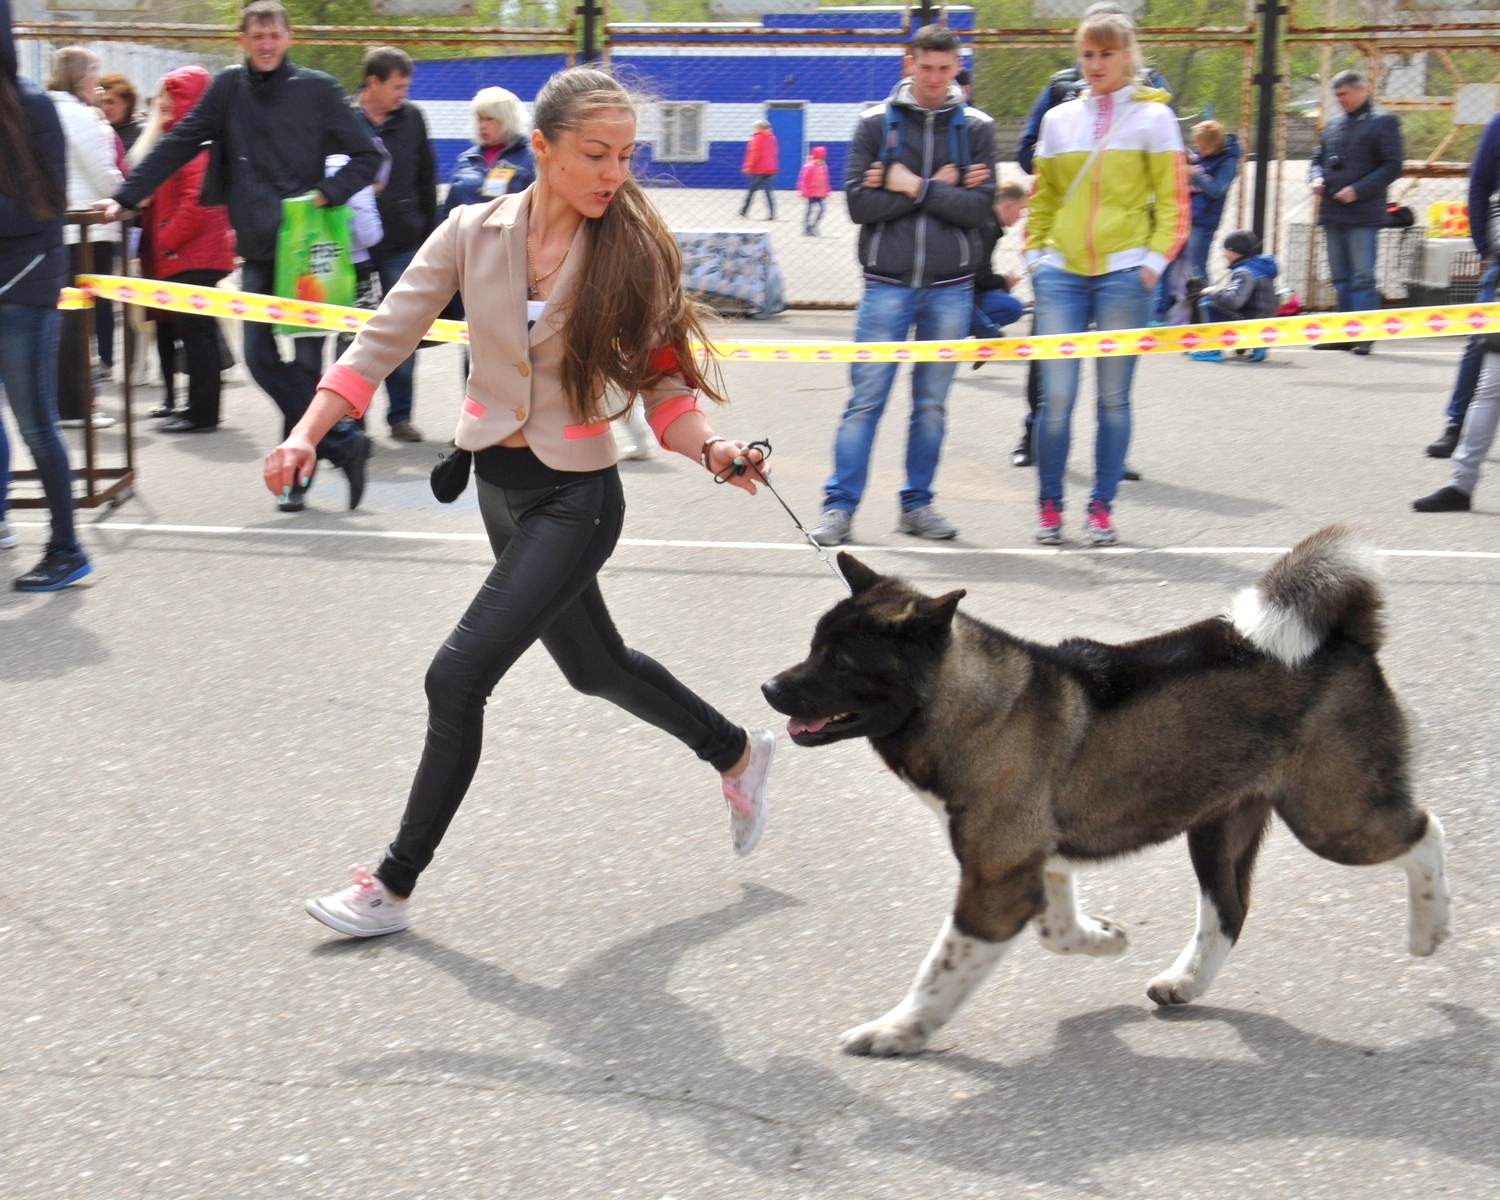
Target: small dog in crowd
1041	759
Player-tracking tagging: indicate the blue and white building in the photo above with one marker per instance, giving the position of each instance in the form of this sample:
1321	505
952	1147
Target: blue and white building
801	74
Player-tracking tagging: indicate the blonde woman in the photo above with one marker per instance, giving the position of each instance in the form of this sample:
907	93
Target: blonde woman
575	288
93	174
1108	213
499	163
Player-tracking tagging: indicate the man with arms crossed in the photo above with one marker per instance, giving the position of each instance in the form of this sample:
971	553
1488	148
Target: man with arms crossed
920	182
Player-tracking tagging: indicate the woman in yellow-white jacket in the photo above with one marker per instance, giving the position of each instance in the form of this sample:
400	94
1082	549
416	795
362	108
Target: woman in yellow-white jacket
1109	211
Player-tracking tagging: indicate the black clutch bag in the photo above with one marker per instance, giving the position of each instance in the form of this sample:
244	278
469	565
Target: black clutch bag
451	475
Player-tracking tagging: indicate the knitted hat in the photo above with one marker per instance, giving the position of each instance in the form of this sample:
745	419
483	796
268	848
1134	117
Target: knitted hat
1243	241
820	151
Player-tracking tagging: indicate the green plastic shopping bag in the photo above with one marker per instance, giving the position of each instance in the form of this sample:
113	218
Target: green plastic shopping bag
312	256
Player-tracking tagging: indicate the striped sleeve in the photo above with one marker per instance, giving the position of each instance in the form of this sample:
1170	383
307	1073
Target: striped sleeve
1173	210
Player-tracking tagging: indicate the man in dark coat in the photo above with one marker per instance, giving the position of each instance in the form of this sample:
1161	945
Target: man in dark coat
275	124
1358	157
407	202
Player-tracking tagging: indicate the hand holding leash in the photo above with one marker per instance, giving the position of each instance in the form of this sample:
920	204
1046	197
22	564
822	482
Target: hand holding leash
751	458
727	462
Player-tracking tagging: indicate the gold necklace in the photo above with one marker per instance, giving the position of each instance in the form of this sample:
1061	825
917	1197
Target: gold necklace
532	288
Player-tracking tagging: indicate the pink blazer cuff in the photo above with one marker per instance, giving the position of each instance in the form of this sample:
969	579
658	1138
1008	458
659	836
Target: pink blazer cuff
351	385
667	412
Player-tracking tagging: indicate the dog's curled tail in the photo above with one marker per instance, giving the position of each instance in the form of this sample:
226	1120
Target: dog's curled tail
1328	584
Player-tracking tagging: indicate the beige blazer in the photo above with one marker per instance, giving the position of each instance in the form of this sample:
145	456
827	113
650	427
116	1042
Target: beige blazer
515	379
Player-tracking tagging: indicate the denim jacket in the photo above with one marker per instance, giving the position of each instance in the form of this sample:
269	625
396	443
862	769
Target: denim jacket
466	185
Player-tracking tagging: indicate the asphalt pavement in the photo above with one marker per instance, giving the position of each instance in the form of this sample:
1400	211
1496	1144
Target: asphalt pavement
596	998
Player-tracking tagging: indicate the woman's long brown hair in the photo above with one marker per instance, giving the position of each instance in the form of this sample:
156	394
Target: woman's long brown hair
24	174
629	305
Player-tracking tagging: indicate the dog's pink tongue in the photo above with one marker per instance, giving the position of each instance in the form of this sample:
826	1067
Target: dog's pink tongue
797	725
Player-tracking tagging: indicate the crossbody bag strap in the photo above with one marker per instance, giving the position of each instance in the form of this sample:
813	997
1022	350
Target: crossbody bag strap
22	273
1104	139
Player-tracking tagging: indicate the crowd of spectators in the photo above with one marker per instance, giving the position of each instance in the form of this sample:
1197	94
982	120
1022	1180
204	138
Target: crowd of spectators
929	224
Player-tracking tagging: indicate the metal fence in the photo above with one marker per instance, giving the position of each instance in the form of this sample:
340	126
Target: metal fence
1434	62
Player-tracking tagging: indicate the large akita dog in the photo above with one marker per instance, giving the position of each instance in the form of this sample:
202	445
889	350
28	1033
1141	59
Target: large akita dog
1041	758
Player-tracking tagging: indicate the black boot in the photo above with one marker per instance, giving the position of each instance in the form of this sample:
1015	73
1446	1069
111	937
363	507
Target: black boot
1446	499
1021	456
1448	443
354	468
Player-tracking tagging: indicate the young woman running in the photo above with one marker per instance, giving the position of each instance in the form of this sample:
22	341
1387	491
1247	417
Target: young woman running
1108	213
571	285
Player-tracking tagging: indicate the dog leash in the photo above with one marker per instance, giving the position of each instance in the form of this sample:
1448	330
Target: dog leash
743	463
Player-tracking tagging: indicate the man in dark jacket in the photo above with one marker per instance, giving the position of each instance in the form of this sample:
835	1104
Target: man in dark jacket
275	123
407	202
919	181
1484	182
1358	157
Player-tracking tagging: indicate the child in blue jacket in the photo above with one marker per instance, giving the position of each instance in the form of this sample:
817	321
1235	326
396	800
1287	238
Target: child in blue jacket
1249	293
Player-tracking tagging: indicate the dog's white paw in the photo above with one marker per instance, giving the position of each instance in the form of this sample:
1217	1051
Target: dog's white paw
1098	937
889	1037
1429	925
1174	987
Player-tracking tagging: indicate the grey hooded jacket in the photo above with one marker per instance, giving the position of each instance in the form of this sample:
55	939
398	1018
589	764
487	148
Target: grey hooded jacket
934	239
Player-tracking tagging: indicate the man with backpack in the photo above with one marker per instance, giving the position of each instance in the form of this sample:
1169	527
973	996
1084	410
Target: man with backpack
920	183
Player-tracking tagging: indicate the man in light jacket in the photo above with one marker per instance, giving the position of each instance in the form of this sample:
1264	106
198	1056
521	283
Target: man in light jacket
275	124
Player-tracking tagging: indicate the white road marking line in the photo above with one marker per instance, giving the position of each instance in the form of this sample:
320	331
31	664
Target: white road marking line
799	547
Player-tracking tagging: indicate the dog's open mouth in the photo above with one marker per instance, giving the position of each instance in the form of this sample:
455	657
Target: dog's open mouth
798	726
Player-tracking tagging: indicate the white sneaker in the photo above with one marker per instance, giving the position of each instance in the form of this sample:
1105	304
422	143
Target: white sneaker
8	536
746	793
363	909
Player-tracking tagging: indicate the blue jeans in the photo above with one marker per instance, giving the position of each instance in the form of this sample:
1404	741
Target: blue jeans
993	311
760	183
886	314
400	382
1351	263
28	375
1199	245
1067	303
291	384
1473	359
814	215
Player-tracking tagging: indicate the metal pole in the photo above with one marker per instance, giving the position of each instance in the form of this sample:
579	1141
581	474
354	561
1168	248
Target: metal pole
926	10
1266	80
590	13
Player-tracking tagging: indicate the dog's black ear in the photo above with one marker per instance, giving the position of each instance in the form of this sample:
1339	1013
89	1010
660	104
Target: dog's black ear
859	577
937	612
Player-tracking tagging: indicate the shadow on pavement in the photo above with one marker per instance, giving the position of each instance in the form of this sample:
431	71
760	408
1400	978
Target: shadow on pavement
40	637
1088	1101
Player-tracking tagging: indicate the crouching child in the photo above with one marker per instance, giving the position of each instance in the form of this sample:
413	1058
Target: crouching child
1248	294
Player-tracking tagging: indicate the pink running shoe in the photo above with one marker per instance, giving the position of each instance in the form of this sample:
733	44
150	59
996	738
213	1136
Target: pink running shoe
1048	524
363	909
1097	525
746	793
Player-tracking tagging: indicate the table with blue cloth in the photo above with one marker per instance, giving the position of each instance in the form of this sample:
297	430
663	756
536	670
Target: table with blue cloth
735	266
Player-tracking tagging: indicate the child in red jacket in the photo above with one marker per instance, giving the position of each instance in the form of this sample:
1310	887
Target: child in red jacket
812	185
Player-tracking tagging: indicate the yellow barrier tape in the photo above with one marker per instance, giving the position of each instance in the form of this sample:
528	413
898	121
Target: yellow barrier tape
1298	332
73	298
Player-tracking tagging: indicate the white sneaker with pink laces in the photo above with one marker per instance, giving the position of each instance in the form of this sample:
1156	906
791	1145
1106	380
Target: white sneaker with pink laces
746	793
363	909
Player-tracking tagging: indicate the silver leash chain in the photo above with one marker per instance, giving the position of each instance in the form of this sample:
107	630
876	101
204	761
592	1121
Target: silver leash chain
743	463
